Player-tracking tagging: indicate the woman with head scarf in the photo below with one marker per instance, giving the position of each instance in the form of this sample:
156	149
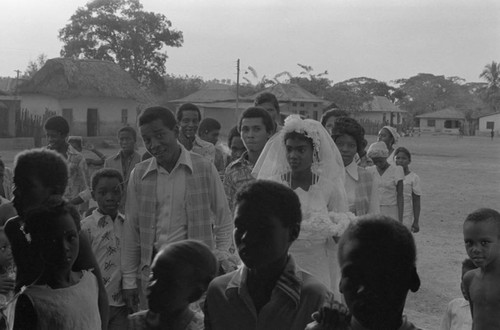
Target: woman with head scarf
389	135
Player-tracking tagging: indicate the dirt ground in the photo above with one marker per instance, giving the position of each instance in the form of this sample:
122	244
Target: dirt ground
458	176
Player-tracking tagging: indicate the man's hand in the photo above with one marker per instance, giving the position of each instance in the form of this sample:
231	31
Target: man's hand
415	228
6	284
131	297
336	316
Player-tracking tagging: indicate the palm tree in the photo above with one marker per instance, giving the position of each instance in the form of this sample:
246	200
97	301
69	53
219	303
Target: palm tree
491	73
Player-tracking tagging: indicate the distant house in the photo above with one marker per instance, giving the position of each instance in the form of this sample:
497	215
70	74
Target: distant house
217	101
489	122
294	99
380	110
448	120
9	105
96	97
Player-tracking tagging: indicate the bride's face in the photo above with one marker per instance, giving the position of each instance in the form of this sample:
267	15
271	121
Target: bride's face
299	154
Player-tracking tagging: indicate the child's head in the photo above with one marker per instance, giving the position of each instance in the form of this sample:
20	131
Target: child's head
482	236
467	265
349	136
127	137
180	274
402	156
38	173
266	222
5	250
76	142
53	229
235	143
107	190
329	116
209	130
377	257
378	153
56	130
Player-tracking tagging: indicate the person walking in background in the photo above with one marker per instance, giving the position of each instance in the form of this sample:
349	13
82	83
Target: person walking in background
209	131
170	198
411	190
389	135
269	102
389	178
235	144
188	119
126	159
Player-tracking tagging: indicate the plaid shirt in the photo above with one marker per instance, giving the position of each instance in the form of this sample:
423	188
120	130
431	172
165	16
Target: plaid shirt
204	148
204	196
238	173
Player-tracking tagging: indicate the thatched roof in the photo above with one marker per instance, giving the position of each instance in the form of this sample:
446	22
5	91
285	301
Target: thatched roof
448	113
69	78
288	93
381	104
209	94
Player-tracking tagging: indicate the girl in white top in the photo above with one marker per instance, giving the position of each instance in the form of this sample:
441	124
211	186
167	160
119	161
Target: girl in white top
59	299
304	157
390	181
411	190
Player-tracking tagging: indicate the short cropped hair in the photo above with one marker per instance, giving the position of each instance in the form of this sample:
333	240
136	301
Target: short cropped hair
58	124
48	166
105	173
233	132
208	125
128	129
383	239
258	112
485	215
37	220
351	127
273	199
337	113
267	97
153	113
403	150
193	255
187	107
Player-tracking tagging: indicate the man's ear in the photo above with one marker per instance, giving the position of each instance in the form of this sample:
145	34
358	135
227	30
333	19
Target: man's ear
294	232
414	280
176	130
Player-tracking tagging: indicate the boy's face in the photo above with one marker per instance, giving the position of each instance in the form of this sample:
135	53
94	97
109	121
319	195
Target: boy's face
127	141
370	289
160	141
237	147
5	251
261	239
29	192
189	123
59	244
108	194
55	139
170	286
254	134
347	146
299	154
482	242
211	136
271	109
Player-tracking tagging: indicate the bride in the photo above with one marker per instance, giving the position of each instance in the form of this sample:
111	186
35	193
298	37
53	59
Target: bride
304	157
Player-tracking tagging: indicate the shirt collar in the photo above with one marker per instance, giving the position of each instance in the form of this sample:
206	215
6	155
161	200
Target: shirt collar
352	170
243	160
199	142
184	160
289	283
97	214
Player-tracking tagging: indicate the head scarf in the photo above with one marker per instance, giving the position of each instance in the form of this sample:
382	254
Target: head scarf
378	149
394	133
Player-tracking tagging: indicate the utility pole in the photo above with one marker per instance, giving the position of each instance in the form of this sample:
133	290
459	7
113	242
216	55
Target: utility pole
17	80
236	112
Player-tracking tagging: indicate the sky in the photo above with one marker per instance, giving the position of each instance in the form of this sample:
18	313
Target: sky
383	39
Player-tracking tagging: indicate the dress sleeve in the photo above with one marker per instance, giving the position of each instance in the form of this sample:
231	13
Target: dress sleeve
417	190
399	174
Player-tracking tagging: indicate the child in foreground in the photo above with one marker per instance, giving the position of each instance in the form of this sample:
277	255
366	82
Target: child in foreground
377	256
269	291
104	230
59	299
8	276
180	275
457	316
482	285
411	190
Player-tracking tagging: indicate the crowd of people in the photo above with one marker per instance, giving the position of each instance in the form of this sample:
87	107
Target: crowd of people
295	225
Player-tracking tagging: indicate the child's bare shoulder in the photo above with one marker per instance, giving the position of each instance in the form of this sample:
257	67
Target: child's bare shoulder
470	276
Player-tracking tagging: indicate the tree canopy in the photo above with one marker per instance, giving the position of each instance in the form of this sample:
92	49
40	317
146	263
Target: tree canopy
491	94
35	65
122	32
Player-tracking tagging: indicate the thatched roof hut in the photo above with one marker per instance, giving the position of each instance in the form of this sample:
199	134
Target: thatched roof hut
69	78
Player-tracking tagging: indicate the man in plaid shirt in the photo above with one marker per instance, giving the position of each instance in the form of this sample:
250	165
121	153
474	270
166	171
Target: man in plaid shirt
170	197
